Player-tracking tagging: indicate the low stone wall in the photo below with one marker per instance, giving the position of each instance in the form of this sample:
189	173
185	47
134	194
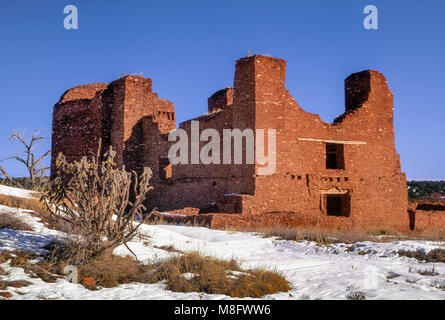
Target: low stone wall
427	215
259	222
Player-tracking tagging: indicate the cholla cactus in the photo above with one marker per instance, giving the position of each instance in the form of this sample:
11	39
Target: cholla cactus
92	198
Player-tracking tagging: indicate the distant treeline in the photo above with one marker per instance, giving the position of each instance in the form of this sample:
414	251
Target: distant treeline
428	190
26	183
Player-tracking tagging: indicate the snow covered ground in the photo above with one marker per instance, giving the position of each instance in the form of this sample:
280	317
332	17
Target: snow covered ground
314	272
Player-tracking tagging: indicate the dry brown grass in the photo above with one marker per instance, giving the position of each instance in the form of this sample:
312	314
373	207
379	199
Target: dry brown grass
114	270
211	275
14	284
215	276
37	209
319	235
21	259
33	204
435	255
169	248
324	236
8	221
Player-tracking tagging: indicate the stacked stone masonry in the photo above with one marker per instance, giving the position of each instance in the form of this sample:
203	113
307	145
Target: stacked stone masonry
346	173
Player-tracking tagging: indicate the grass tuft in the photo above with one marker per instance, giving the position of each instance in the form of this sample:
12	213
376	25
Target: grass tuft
435	255
215	276
8	221
188	272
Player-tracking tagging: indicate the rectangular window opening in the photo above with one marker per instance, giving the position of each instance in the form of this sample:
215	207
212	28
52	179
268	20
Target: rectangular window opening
335	158
338	205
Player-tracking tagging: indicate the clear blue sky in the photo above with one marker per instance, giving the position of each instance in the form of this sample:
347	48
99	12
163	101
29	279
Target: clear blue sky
189	48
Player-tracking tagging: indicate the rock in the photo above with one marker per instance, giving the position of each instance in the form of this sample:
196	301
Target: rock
6	295
88	282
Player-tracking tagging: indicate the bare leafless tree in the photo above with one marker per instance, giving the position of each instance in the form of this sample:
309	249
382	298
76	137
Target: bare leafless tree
32	162
4	174
94	198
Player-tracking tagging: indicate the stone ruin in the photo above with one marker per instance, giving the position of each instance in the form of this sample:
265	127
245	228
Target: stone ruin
342	174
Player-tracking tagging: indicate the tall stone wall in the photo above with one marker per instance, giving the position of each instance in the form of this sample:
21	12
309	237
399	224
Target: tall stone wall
108	115
346	172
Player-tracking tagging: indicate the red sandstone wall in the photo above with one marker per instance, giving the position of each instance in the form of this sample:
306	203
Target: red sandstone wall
112	114
221	100
427	215
372	175
127	115
77	123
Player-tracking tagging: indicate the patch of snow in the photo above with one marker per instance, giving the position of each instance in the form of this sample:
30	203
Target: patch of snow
313	271
189	275
16	192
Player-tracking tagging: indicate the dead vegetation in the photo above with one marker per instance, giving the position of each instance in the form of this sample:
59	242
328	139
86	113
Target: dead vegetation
23	259
33	204
428	272
14	284
92	204
188	272
215	276
435	255
355	293
36	208
100	205
169	248
8	221
324	236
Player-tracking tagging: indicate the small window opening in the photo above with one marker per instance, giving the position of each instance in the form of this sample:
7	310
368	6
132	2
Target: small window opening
338	205
335	158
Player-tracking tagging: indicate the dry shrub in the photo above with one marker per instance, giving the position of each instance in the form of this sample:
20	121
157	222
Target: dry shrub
92	198
20	259
8	221
214	276
355	293
435	255
107	270
113	270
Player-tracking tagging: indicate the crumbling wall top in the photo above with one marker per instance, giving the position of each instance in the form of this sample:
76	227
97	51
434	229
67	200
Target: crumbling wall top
82	92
